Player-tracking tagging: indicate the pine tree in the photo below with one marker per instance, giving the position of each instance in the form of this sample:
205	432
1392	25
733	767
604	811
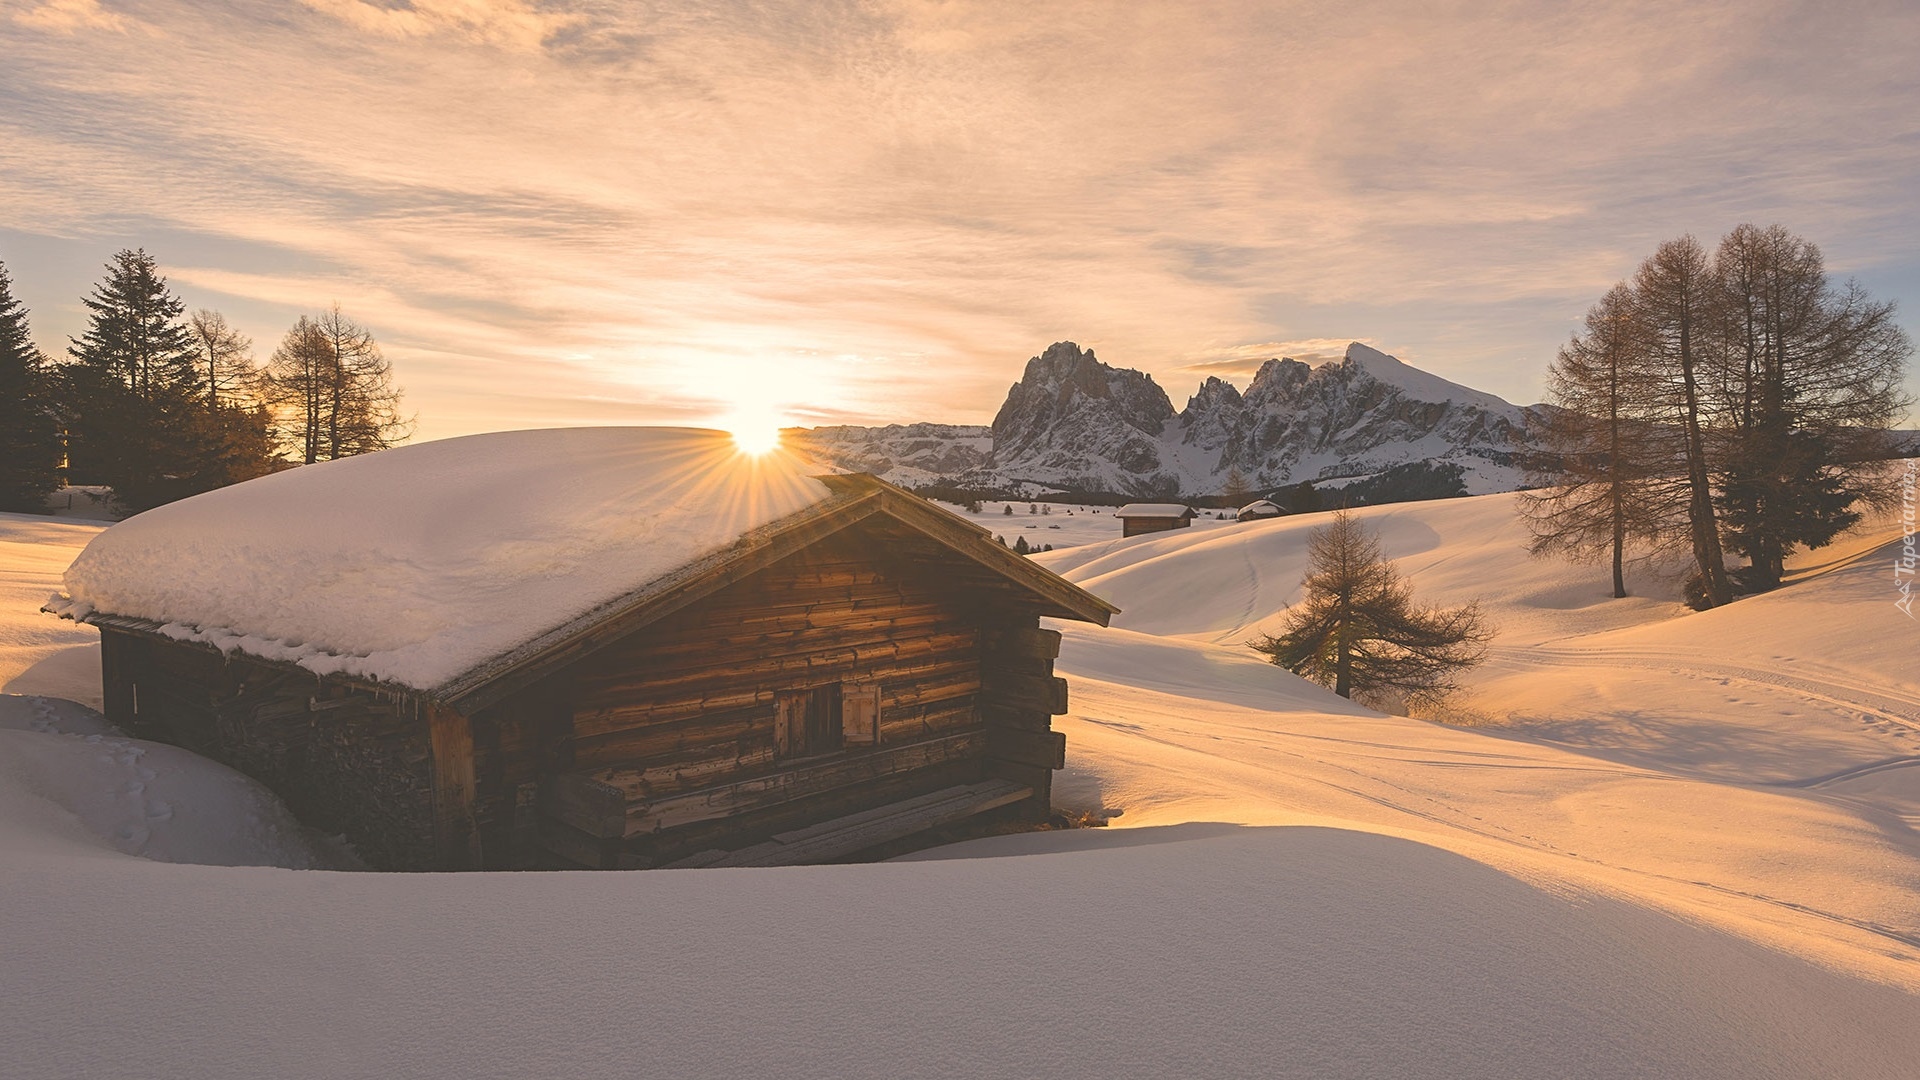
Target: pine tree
1357	629
135	335
132	389
29	434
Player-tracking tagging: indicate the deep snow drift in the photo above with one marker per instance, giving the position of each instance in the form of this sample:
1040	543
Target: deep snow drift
1660	890
419	563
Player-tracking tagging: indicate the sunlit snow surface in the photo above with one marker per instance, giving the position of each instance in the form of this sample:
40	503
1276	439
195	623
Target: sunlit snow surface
416	564
1682	848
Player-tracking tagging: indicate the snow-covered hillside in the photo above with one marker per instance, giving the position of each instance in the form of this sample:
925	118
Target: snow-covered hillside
1679	848
1075	423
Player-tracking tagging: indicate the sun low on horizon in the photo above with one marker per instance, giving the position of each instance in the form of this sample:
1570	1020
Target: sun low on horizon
910	199
755	426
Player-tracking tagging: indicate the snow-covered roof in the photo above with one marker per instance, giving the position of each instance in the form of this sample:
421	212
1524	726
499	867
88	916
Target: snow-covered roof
1261	507
415	565
1153	510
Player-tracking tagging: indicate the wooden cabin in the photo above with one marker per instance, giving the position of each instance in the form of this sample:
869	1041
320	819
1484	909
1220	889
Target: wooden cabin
842	679
1138	518
1260	510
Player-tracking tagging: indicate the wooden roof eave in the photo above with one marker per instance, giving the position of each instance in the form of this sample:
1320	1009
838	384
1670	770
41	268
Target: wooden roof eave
148	628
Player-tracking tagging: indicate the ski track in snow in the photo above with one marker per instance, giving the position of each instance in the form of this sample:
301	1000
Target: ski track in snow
1839	691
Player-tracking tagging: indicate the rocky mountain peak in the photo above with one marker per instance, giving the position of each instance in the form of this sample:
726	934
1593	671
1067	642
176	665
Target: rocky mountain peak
1072	416
1066	380
1214	394
1073	422
1277	380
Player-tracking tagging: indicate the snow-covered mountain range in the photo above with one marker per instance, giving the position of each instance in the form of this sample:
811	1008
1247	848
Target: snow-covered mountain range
1075	423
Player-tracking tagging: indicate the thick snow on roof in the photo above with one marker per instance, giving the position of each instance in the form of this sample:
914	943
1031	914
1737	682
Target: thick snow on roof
416	564
1153	510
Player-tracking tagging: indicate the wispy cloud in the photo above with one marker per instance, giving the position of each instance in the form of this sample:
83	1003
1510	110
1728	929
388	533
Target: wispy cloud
67	16
639	205
506	23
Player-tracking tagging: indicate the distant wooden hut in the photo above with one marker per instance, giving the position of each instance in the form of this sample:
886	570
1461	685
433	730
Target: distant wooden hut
1138	518
838	679
1260	510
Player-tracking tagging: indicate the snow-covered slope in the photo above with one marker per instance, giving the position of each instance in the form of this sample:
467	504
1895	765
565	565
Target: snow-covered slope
1666	881
1075	423
42	655
414	565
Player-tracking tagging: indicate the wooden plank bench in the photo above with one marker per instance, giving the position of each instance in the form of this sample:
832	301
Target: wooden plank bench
857	832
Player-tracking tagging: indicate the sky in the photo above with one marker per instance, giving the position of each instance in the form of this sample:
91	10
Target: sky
628	212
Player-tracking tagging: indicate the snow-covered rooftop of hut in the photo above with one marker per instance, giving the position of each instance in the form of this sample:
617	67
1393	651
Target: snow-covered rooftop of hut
1153	510
414	565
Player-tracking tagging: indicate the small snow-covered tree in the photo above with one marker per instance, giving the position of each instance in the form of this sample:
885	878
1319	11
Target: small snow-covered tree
1358	630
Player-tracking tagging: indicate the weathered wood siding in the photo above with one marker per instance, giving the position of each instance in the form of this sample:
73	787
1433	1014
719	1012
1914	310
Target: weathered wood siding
688	705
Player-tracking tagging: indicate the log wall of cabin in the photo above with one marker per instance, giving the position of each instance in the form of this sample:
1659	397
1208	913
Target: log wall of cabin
687	705
343	761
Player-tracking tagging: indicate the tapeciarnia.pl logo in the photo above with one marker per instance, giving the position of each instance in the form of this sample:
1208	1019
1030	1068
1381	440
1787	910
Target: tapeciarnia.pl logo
1905	563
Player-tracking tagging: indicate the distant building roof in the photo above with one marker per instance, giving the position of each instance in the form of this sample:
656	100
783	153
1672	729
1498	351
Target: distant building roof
1154	510
1261	508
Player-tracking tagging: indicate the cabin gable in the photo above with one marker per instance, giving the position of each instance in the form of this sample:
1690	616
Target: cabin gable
862	670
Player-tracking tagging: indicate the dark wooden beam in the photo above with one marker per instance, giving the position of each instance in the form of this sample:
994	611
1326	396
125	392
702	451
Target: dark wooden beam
455	831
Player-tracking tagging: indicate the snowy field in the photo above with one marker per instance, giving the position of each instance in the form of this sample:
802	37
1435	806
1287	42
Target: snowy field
1672	845
1064	525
